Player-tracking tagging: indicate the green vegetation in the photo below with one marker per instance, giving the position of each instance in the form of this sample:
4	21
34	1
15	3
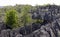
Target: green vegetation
11	19
19	15
25	16
38	21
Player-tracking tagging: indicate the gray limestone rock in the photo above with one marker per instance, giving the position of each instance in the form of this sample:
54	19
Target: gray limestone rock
5	33
18	35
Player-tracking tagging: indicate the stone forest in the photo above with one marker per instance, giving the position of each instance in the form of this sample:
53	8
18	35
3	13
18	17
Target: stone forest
30	21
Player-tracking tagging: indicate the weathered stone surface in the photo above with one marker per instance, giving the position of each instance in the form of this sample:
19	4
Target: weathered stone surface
18	35
5	33
2	26
14	32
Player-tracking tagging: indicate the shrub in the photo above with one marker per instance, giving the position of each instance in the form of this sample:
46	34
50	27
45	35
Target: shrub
11	19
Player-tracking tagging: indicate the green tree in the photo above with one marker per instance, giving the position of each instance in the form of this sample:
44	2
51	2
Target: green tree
25	16
11	19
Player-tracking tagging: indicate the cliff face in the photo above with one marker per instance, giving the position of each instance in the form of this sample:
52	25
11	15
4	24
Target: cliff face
49	28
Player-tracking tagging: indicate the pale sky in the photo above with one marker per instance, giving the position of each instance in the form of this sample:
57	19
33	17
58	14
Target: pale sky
30	2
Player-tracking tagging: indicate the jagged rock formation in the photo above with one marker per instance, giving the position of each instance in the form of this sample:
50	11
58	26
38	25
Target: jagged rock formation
49	28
